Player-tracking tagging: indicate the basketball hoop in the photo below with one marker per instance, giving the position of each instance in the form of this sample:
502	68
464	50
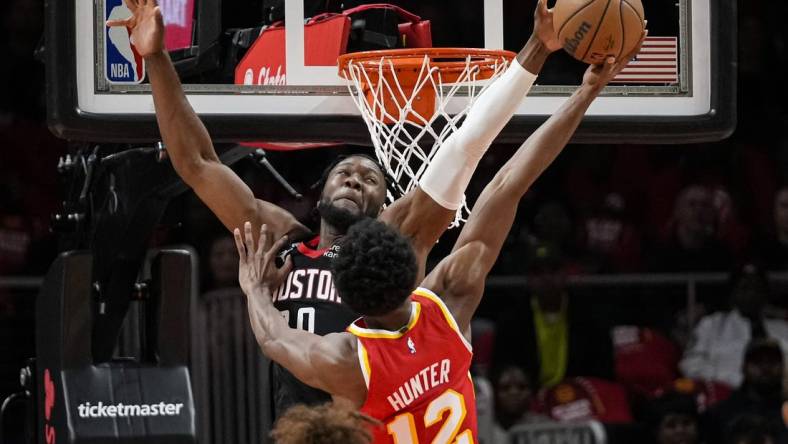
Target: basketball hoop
410	100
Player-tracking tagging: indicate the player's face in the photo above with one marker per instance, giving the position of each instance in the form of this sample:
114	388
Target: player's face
356	186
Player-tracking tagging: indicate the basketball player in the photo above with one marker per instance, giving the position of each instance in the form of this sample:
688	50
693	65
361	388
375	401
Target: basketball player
405	362
354	187
324	424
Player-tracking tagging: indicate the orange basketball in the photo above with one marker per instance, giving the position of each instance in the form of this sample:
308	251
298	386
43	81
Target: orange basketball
592	30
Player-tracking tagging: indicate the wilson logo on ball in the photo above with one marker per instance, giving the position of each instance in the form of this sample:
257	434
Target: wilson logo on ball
571	44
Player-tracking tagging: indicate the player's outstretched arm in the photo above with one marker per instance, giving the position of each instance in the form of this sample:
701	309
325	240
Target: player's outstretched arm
188	142
425	213
459	278
328	363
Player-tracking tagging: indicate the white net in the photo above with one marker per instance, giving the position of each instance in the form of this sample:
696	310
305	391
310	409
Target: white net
406	128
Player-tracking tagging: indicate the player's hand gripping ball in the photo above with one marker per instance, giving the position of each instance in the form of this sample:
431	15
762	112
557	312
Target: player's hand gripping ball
592	30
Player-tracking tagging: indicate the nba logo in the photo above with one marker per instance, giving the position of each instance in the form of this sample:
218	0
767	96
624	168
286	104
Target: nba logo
122	62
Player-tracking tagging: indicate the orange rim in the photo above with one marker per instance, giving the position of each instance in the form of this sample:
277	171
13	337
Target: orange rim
447	60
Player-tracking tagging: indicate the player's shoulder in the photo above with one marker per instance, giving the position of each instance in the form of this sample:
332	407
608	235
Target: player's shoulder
337	357
432	303
336	347
424	295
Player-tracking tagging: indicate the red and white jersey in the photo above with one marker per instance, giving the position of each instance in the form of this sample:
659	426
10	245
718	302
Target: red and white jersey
418	380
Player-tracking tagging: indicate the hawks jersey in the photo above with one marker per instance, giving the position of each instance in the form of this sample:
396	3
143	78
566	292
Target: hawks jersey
308	301
418	380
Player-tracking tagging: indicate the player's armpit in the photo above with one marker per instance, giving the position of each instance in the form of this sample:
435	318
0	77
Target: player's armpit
459	281
419	218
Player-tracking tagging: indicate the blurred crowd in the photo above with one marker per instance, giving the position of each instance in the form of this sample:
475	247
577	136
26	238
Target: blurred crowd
552	357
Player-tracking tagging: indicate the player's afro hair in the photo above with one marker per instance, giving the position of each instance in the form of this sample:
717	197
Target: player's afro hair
325	424
375	270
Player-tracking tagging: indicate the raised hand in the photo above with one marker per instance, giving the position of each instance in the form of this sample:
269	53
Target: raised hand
146	26
543	27
255	265
598	76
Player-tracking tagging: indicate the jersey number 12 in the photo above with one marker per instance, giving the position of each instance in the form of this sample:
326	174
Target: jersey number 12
403	427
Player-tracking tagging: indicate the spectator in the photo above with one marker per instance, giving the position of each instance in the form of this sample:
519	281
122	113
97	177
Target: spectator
751	429
514	397
673	419
718	343
774	247
692	243
222	263
706	393
553	225
760	394
585	399
645	360
612	242
547	335
485	409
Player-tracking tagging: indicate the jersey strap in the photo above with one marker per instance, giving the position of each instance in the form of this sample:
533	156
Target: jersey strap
358	330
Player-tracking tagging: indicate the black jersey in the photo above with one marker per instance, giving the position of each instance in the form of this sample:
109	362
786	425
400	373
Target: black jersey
308	301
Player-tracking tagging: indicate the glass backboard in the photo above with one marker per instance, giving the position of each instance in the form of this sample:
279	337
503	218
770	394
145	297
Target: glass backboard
680	89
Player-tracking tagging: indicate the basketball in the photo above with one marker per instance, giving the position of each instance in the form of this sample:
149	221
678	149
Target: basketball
592	30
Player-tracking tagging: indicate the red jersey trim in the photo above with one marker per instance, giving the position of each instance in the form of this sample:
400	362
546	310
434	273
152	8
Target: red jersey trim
388	334
308	250
423	292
